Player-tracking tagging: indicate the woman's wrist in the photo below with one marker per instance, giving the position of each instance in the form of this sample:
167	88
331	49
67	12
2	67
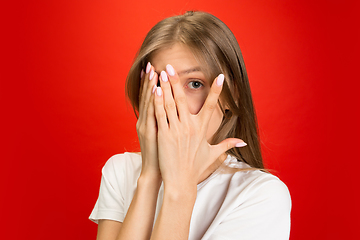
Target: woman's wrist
179	191
149	179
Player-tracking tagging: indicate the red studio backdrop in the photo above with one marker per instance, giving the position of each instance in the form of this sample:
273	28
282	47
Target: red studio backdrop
64	112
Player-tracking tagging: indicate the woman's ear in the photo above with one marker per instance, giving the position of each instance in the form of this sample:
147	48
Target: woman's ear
227	113
225	109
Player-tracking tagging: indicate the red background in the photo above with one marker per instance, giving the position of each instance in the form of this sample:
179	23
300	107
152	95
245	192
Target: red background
64	113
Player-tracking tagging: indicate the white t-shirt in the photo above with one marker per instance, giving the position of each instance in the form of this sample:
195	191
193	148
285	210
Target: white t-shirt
229	205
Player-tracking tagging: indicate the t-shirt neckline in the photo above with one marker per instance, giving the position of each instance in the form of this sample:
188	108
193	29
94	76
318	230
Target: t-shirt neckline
215	173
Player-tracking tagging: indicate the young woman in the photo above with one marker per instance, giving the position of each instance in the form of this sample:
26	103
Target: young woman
200	173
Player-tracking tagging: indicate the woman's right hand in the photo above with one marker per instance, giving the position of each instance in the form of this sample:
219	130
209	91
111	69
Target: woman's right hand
143	204
146	125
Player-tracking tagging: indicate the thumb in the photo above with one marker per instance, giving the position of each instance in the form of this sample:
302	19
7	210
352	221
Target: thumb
226	144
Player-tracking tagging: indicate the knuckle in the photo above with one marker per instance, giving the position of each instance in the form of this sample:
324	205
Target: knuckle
138	125
140	131
149	110
143	86
170	105
149	87
180	99
210	106
158	102
228	145
160	115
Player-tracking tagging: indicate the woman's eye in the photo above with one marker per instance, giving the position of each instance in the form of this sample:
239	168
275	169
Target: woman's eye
194	84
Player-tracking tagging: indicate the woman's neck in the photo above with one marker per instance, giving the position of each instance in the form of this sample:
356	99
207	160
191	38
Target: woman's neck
212	168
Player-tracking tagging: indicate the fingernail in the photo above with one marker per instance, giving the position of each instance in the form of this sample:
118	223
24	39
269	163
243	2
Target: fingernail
220	79
240	144
142	73
158	91
164	76
148	66
151	74
154	88
170	70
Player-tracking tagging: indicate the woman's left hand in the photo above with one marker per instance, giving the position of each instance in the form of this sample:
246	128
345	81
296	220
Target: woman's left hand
183	151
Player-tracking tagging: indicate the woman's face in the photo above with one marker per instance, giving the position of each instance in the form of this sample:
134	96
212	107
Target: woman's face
196	87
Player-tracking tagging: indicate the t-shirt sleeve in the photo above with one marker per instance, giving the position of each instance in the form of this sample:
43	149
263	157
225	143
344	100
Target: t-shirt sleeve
265	215
110	203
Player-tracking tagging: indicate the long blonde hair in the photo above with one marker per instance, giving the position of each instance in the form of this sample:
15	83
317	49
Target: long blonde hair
213	44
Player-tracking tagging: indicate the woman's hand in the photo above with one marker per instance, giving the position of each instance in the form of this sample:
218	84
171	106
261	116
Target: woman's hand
146	125
184	153
142	208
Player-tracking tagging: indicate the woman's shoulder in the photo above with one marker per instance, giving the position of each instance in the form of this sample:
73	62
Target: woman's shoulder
266	186
127	162
259	184
253	194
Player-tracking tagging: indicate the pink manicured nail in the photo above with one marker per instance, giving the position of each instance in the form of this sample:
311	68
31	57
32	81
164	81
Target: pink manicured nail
158	91
240	144
170	70
154	88
164	76
142	73
152	73
220	79
148	66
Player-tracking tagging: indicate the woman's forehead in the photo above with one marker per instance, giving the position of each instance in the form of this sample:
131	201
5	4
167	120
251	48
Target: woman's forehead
181	57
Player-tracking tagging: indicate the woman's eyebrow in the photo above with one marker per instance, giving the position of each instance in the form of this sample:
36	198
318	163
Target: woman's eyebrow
190	70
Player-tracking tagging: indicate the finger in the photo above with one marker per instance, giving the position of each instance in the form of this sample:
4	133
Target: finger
212	99
225	145
178	93
150	116
150	81
144	85
160	113
153	78
169	103
142	73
